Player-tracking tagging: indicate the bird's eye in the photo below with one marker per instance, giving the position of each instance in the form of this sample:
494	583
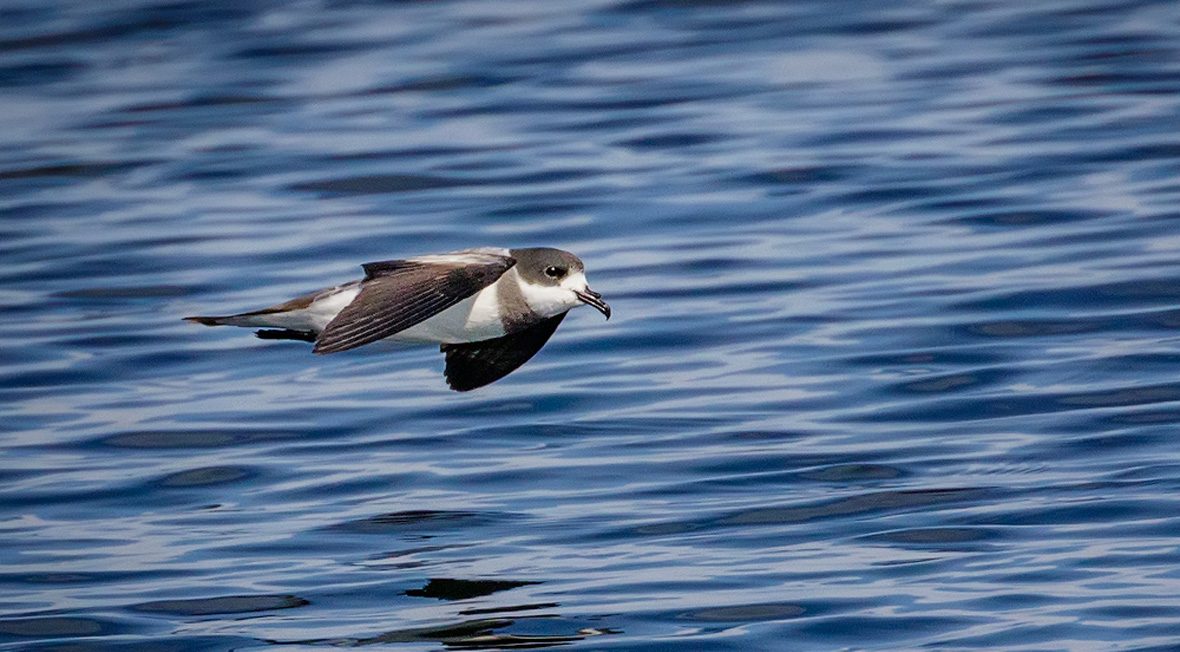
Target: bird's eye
553	271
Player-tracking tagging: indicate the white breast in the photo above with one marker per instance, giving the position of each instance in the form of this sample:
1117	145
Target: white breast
473	319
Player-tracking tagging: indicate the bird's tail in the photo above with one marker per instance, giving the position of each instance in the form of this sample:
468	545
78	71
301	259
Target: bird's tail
244	319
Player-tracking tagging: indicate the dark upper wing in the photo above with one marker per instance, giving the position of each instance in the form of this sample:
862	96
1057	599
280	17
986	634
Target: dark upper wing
397	294
475	364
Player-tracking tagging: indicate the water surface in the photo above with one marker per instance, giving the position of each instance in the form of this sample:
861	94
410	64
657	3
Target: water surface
893	363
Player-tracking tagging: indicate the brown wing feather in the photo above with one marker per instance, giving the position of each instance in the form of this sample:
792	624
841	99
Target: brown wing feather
398	294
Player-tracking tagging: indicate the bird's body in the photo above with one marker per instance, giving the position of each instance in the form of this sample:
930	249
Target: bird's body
489	309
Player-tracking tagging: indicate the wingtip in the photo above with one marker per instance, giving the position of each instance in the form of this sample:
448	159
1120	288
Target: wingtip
323	347
457	383
462	388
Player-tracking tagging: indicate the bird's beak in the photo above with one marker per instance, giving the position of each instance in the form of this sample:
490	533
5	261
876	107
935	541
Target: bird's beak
593	299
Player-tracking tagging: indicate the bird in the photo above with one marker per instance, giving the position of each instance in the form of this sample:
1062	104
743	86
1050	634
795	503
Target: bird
489	309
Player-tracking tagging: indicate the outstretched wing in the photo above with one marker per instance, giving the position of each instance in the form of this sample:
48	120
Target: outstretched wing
397	294
475	364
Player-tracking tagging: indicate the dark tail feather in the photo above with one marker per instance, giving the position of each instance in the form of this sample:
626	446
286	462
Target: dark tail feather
208	321
285	334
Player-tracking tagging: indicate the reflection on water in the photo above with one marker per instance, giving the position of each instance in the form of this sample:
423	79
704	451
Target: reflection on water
451	589
476	635
893	366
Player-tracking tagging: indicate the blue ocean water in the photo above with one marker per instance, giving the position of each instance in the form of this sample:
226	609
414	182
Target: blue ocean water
893	362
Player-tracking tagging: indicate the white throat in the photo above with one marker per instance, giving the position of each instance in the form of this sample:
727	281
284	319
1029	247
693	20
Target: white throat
552	300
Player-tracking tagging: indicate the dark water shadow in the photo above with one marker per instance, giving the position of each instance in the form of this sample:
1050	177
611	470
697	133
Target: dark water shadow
479	634
147	643
845	473
193	438
952	410
205	476
937	538
747	613
443	588
512	608
860	504
56	627
230	604
413	521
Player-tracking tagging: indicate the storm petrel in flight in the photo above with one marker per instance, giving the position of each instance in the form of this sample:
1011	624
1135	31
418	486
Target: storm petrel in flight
490	310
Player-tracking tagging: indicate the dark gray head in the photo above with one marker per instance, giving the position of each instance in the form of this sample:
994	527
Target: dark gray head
545	265
555	281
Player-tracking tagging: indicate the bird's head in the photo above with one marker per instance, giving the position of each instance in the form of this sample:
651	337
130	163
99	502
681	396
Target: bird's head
554	281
